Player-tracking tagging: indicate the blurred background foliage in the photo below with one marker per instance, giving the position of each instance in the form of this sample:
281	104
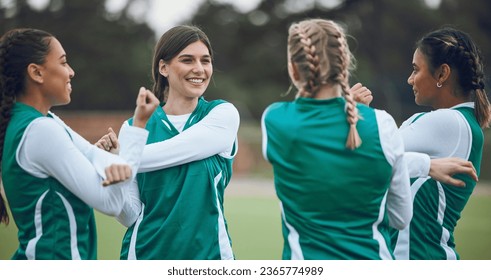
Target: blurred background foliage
111	51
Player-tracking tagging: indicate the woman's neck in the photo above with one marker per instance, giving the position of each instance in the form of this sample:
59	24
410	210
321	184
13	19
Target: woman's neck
450	97
34	101
180	106
328	91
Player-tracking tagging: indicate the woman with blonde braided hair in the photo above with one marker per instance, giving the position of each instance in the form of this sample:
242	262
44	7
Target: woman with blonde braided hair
448	76
341	179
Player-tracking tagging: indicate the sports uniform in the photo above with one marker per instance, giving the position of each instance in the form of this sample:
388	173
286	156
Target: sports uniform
453	132
187	165
53	178
336	203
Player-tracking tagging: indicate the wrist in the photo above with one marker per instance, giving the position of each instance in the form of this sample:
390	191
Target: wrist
139	123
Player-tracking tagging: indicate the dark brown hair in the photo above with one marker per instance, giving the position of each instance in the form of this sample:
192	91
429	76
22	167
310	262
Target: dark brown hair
457	49
18	49
170	45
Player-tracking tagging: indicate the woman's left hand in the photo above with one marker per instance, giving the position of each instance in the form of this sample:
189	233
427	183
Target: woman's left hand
109	142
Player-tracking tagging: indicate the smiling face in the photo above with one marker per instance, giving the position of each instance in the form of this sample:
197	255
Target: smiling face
56	74
423	81
189	72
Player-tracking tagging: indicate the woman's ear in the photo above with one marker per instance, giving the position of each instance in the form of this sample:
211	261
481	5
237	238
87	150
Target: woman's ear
443	73
35	73
163	68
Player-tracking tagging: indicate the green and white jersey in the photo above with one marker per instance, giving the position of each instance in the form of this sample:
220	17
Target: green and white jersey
336	203
453	132
53	179
182	216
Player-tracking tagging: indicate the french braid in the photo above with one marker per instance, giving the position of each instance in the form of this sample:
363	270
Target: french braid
457	49
321	54
354	140
312	64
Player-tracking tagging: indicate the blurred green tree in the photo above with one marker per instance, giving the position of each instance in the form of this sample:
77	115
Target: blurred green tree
250	65
110	53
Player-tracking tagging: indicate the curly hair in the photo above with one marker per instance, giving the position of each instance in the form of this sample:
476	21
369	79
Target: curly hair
18	48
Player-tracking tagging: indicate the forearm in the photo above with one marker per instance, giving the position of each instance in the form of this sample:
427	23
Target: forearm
418	164
132	206
62	160
215	134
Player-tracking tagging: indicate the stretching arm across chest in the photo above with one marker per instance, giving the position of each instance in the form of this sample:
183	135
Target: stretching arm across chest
47	150
215	134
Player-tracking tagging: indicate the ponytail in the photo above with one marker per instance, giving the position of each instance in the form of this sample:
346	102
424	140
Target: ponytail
482	109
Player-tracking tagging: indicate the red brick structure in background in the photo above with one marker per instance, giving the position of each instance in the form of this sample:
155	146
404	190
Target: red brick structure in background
93	125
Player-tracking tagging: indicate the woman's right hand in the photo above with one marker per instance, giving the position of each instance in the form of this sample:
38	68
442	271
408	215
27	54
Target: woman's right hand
442	170
361	94
146	102
116	173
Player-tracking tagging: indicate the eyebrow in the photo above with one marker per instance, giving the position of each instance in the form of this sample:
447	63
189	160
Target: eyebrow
62	56
191	56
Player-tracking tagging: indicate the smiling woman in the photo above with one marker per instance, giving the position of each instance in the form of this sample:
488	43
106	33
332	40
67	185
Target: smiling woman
52	191
189	73
447	76
187	164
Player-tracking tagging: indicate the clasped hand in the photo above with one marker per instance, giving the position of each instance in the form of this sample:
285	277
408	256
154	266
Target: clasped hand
146	103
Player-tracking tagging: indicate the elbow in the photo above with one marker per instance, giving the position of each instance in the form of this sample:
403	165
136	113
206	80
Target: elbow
111	208
399	225
402	221
126	221
128	216
110	211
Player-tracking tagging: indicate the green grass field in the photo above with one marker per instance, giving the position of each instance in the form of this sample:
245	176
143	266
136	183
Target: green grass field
255	228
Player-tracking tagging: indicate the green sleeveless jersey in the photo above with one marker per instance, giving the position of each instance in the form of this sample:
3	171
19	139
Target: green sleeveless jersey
53	223
182	216
333	199
437	208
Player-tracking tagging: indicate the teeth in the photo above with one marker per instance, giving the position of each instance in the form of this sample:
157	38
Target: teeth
196	80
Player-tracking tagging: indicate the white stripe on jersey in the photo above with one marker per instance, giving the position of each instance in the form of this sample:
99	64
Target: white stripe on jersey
226	252
383	252
401	251
293	238
132	249
442	205
31	245
73	228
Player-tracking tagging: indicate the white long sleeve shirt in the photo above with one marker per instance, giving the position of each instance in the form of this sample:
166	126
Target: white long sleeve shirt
77	164
215	134
437	134
399	204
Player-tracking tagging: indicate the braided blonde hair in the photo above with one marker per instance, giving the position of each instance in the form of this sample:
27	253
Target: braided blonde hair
319	50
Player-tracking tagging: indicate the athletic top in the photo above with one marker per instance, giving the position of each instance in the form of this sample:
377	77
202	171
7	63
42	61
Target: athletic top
336	203
53	178
182	194
452	132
